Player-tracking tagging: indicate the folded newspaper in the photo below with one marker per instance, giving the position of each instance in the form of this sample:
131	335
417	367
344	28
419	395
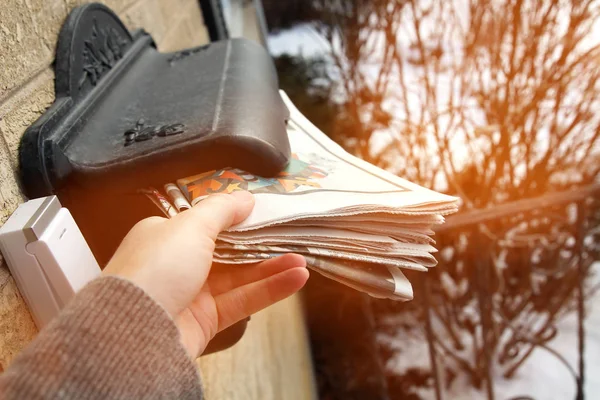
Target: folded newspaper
354	223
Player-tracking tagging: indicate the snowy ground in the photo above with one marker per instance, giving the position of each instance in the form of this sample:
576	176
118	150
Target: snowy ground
541	377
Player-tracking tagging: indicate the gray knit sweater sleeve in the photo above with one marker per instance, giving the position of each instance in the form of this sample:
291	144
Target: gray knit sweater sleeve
112	341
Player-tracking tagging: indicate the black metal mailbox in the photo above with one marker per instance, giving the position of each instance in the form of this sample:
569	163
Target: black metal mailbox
127	117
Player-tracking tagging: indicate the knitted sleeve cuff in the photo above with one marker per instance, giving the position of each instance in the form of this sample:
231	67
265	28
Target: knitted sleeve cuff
111	341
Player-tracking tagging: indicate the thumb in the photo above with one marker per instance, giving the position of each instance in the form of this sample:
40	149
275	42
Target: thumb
220	211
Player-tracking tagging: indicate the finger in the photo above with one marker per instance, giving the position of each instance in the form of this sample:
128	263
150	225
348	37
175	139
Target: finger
219	211
224	278
246	300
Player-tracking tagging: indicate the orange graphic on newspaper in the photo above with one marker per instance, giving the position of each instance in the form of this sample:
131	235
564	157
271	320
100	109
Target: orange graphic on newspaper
298	173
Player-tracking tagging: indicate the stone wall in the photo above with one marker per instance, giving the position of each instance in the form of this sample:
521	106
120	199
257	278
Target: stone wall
273	357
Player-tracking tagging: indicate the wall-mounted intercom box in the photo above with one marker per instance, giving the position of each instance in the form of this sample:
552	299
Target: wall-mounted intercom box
47	256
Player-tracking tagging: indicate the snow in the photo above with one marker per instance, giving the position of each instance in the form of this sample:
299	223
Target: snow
542	377
301	40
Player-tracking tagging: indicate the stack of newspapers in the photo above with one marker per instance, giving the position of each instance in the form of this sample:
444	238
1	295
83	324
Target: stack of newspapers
354	223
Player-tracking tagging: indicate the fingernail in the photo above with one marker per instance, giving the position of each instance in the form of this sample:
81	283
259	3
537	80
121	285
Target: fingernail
243	196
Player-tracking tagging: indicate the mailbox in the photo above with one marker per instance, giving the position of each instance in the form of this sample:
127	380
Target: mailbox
127	116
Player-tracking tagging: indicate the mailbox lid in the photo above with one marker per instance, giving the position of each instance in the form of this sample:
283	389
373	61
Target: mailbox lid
224	89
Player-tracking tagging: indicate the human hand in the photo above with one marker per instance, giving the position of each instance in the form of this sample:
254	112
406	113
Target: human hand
171	259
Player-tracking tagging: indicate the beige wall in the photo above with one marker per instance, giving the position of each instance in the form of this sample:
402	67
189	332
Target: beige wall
272	360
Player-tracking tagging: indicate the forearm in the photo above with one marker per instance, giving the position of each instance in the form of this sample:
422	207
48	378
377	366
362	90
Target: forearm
111	341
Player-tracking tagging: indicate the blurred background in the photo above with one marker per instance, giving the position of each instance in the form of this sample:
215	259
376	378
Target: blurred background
496	102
